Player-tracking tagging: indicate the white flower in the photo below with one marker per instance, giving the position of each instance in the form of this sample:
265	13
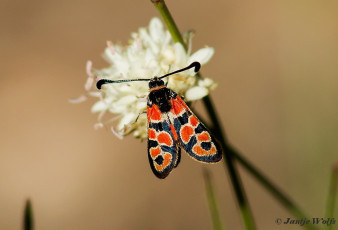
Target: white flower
151	52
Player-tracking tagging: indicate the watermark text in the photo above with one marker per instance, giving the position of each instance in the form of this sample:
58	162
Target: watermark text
305	221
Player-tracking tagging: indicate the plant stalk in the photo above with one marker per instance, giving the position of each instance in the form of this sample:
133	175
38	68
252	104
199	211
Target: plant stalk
28	222
333	193
212	201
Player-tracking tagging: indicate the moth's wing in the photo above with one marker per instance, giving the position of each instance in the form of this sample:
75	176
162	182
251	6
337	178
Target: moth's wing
178	155
192	134
163	151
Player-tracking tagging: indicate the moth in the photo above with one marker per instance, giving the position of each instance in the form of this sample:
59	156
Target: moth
172	126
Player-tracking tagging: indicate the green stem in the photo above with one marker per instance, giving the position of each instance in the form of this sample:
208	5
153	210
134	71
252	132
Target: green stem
28	223
331	198
216	126
212	201
229	161
169	21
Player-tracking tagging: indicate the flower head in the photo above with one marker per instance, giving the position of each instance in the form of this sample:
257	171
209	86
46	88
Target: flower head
151	52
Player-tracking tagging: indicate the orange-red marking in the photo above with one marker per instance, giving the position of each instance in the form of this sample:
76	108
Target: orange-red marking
193	120
164	138
199	151
157	88
203	137
154	113
174	132
177	107
186	133
154	152
182	102
166	162
151	134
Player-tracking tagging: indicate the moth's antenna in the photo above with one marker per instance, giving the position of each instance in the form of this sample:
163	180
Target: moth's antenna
101	82
106	81
195	65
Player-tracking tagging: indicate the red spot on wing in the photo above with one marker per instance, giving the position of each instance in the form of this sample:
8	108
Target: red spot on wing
186	133
154	113
149	110
203	137
182	102
166	161
177	107
173	132
154	152
193	120
201	152
164	138
151	134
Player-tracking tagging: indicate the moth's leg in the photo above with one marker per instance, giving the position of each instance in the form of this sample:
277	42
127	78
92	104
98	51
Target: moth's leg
142	99
128	127
144	112
166	84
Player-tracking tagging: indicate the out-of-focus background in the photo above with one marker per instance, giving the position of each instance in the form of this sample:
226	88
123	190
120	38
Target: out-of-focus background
276	63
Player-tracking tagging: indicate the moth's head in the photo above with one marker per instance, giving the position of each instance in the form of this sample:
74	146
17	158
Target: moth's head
155	82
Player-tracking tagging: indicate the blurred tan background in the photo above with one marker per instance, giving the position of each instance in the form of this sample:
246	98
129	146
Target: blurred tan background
277	67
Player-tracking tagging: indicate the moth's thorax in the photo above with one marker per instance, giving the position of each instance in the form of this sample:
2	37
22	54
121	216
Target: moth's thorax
161	96
157	88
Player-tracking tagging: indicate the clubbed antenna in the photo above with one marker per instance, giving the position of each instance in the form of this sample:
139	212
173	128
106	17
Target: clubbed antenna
195	65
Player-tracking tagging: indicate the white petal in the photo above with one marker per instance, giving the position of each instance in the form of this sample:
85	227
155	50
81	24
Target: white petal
116	133
77	100
196	93
99	106
124	88
169	54
127	119
123	104
98	126
156	29
202	55
89	68
141	105
148	41
95	94
126	100
108	55
207	82
181	56
111	47
89	83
